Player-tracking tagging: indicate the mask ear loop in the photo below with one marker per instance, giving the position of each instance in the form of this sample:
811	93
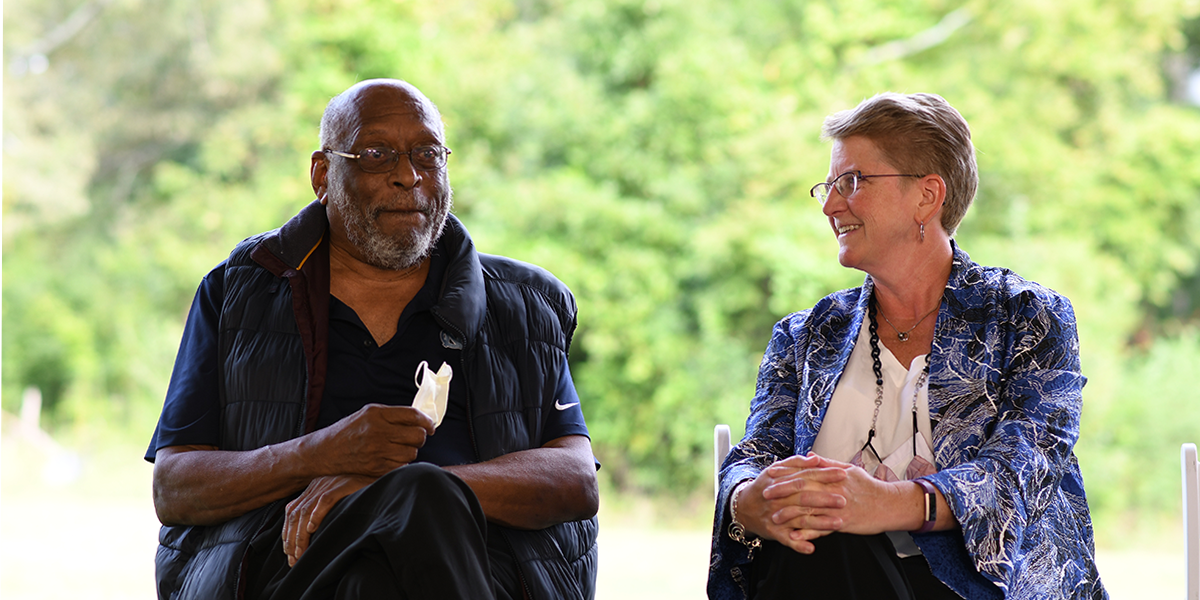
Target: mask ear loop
421	370
868	446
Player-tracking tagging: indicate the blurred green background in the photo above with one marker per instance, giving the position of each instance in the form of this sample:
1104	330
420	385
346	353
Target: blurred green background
655	155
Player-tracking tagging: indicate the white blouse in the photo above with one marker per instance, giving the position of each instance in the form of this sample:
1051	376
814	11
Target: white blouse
848	419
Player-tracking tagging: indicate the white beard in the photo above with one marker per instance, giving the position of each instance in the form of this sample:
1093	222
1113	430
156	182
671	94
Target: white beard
396	252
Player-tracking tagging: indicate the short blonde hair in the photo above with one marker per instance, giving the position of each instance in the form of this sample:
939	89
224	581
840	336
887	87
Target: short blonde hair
917	133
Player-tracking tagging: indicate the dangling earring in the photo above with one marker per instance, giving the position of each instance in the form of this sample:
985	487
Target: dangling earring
922	231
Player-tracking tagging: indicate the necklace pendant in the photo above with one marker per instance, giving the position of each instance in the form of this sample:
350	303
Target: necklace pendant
903	335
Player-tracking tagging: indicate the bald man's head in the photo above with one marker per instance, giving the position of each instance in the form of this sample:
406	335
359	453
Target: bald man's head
342	115
386	205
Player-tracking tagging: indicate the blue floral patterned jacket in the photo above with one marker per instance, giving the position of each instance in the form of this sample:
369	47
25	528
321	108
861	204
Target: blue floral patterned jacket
1004	398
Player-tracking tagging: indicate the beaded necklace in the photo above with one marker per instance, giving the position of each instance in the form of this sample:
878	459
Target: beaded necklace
877	365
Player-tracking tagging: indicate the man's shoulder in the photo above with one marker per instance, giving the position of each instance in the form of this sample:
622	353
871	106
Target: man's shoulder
291	244
504	271
240	254
514	285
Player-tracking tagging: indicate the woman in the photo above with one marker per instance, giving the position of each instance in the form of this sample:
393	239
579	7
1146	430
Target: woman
912	437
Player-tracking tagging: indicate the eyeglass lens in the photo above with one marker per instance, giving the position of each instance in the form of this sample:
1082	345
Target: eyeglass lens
846	184
425	158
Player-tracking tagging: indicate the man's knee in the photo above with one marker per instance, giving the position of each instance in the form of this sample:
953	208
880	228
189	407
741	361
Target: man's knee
422	471
426	477
427	487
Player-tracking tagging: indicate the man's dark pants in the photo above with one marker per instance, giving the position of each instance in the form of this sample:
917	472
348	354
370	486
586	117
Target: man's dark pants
417	532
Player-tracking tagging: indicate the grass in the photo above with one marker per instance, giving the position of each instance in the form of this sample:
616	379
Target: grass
87	529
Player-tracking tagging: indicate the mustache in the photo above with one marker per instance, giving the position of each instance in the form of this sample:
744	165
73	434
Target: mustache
402	202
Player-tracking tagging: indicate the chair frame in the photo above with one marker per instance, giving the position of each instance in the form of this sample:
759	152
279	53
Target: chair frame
1191	517
721	447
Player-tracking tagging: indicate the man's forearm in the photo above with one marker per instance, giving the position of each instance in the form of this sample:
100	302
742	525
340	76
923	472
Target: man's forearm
200	485
532	489
537	488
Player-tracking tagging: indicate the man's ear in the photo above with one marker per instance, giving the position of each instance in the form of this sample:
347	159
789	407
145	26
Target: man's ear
318	172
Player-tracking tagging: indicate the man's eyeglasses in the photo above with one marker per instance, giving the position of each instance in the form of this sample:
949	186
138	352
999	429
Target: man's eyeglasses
382	159
846	184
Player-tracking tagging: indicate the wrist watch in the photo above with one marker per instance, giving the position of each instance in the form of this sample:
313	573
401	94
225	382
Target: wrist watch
930	506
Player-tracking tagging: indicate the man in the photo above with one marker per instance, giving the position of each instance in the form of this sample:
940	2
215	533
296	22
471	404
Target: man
289	461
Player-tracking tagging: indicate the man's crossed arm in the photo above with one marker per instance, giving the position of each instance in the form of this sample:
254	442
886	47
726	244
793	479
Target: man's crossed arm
201	485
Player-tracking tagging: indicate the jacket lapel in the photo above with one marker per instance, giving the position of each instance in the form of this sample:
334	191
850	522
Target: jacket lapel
822	358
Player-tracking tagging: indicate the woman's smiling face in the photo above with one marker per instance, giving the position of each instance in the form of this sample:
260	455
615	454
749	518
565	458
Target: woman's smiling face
877	219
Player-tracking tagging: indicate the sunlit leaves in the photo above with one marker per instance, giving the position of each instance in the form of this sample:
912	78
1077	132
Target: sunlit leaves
656	156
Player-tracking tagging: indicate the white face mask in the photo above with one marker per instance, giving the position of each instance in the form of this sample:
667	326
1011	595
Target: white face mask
432	391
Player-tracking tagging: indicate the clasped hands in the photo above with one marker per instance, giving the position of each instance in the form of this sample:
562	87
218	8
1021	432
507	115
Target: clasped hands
802	498
357	450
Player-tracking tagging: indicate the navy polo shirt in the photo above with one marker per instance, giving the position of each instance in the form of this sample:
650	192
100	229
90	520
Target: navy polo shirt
360	372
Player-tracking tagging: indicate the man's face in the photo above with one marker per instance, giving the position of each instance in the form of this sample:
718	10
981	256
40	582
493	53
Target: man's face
388	220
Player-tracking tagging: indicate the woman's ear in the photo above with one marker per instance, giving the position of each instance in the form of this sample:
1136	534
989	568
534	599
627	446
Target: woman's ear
933	196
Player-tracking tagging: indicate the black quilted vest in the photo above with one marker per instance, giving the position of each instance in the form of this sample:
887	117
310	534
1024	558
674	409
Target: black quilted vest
514	322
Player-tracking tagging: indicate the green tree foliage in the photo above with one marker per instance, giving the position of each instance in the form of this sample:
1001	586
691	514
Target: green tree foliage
655	155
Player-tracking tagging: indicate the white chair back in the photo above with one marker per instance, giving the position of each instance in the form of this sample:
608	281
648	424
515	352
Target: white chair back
1191	518
720	449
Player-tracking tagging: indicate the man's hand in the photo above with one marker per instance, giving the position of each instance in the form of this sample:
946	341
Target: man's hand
201	485
798	509
354	452
373	441
305	513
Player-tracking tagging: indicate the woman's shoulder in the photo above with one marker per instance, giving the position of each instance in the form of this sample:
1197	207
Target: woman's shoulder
1015	292
832	308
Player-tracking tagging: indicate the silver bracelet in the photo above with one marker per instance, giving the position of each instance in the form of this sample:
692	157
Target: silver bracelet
737	531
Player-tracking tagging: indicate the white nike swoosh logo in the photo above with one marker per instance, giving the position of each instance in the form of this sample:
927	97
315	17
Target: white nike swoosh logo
560	406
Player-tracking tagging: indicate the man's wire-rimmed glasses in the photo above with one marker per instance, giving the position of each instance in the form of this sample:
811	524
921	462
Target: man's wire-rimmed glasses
846	184
381	159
